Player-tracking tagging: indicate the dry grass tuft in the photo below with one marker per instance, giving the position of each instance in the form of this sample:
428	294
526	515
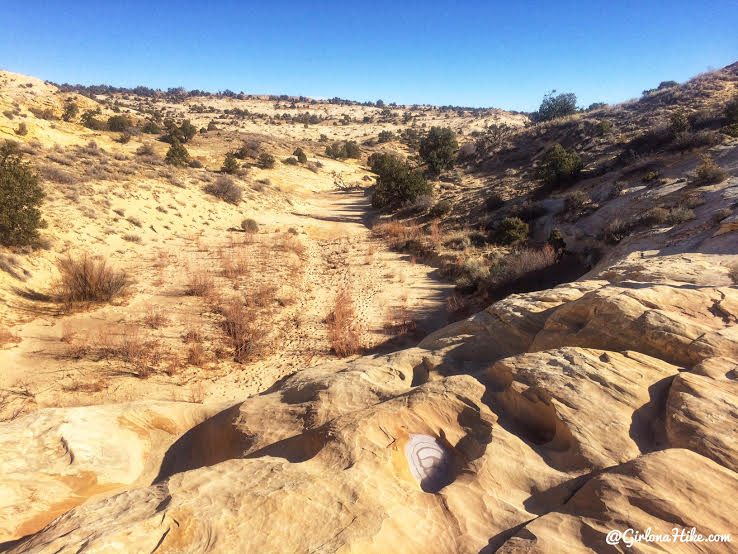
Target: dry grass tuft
196	354
199	283
396	233
154	318
111	342
87	279
343	332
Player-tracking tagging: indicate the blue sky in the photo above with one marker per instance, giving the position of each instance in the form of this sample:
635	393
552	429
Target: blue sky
497	54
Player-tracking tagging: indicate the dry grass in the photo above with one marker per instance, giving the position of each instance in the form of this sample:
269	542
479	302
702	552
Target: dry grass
196	354
155	318
400	322
343	333
199	283
127	344
397	233
289	243
87	279
528	260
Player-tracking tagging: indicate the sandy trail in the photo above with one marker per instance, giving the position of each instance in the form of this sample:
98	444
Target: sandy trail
387	288
391	293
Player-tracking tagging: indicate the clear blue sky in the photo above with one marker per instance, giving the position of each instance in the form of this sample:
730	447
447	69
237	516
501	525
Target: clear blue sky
476	53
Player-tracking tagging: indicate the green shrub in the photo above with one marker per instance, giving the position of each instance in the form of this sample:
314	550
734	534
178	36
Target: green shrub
338	150
90	120
559	166
20	199
225	189
119	123
679	214
438	149
603	127
553	107
679	121
352	150
124	138
300	154
397	182
177	154
650	176
709	173
22	129
617	230
188	130
290	161
197	164
70	111
556	240
529	211
576	200
250	226
266	161
441	208
230	164
655	216
385	136
183	133
151	128
511	230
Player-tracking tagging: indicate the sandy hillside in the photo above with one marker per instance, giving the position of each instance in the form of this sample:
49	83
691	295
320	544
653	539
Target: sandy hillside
155	222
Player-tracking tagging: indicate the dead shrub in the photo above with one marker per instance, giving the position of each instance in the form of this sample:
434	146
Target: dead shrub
248	332
343	333
225	189
87	279
145	150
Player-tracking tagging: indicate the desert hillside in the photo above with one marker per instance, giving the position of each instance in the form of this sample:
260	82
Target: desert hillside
540	347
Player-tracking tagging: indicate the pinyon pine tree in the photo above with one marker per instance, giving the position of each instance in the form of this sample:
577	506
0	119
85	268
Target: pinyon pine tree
20	198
